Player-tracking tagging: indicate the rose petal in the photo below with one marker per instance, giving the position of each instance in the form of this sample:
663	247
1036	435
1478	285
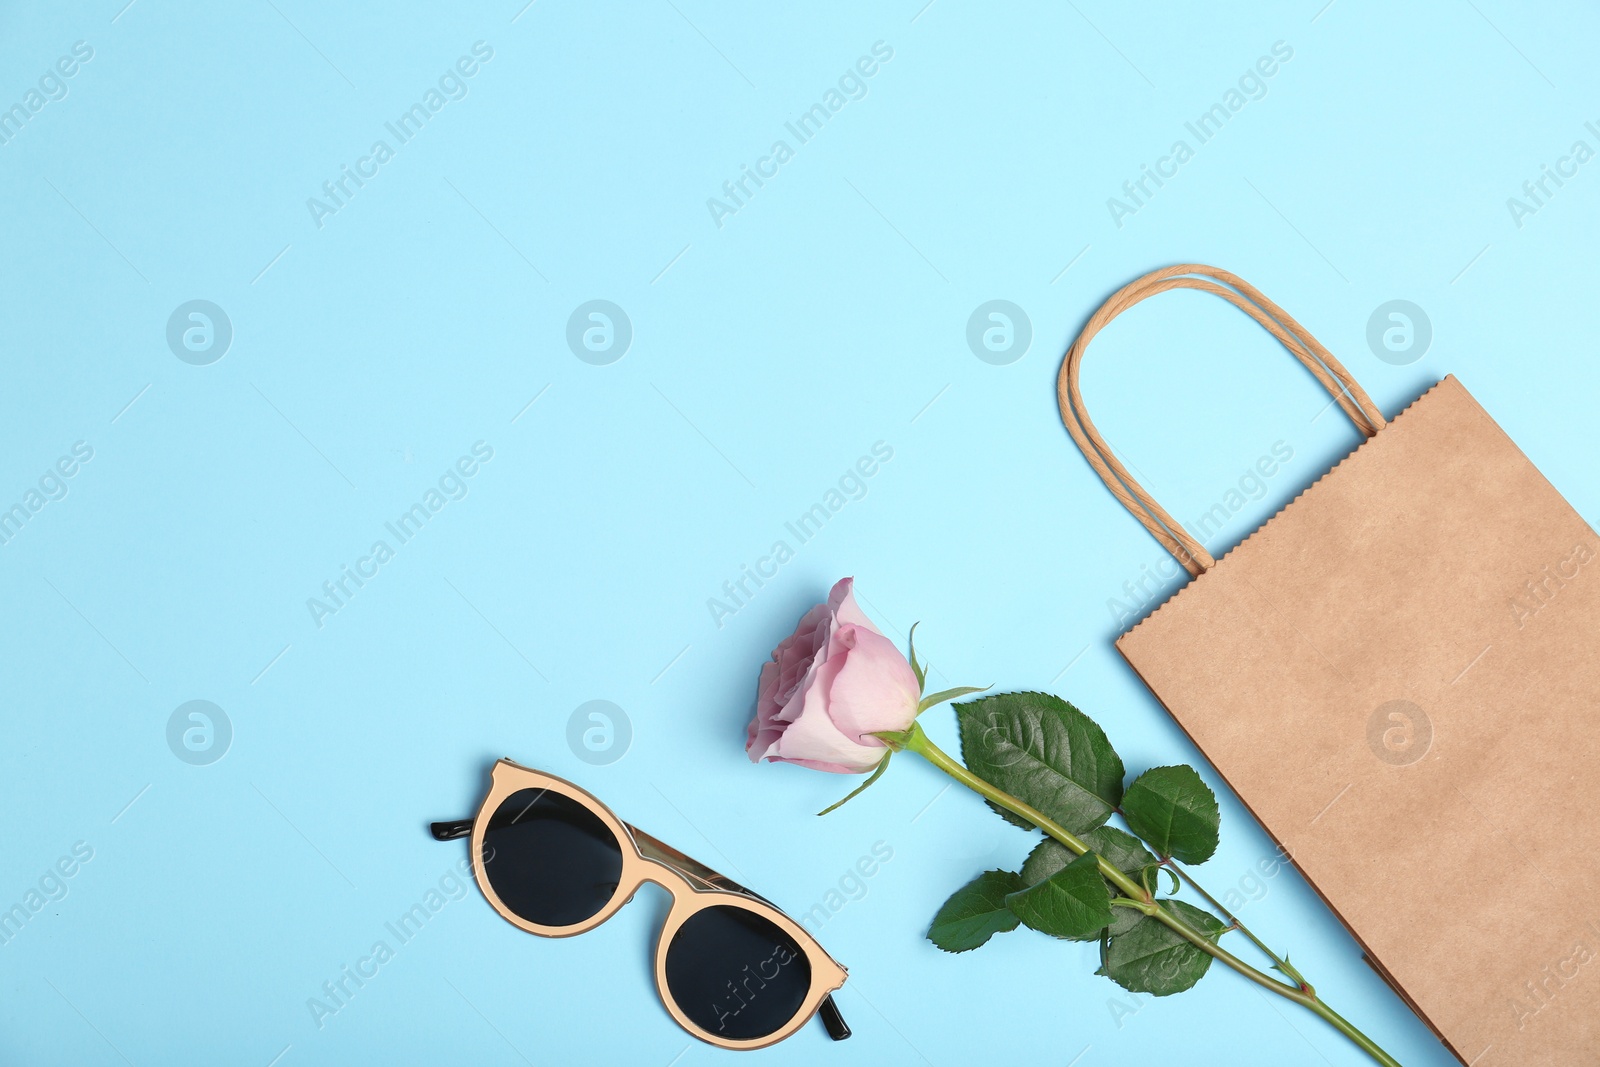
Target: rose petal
819	765
796	654
763	729
842	602
874	691
816	743
811	697
812	737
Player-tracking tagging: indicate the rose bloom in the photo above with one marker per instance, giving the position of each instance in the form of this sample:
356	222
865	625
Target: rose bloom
830	685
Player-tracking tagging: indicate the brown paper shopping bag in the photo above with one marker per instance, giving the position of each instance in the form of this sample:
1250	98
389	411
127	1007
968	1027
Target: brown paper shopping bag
1398	675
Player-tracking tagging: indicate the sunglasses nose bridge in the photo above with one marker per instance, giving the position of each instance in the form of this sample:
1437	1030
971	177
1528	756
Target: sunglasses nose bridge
655	873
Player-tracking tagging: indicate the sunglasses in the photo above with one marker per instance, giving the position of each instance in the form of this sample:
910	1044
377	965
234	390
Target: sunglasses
730	967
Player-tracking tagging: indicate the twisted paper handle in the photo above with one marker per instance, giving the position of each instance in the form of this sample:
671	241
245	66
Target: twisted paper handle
1247	298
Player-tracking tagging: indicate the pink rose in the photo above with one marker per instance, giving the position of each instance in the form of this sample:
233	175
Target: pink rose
830	685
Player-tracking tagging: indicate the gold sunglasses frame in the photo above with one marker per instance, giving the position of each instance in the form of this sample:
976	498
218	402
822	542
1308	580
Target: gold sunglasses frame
692	886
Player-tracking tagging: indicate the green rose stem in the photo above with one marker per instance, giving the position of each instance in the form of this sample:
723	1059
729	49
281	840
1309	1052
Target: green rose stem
1140	898
1282	963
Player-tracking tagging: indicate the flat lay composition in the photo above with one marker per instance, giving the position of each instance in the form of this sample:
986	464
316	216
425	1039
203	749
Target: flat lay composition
433	438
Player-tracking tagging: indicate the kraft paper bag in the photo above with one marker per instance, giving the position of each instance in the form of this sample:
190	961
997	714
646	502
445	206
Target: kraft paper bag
1398	675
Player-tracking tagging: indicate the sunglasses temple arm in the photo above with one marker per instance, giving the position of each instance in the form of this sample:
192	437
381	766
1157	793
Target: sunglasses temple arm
450	831
829	1013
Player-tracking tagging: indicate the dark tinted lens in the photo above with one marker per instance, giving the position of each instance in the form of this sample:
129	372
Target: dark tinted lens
550	859
736	974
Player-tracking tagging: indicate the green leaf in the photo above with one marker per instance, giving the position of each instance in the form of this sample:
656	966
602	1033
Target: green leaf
918	669
947	694
976	912
877	773
1072	903
1046	753
1122	850
1151	958
1124	918
1047	857
1175	812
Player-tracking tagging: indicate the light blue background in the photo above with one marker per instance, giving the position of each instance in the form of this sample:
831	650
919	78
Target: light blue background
829	313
